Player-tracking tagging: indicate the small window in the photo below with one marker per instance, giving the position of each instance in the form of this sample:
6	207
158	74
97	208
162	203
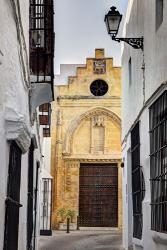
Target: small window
130	71
159	13
158	163
99	88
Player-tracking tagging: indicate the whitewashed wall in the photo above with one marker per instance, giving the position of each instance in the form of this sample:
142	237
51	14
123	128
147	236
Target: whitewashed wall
137	97
14	101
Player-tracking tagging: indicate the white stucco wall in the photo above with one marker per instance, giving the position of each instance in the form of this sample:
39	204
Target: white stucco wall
14	103
137	97
140	21
47	153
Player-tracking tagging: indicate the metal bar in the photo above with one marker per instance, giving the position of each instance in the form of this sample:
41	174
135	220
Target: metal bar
13	202
68	225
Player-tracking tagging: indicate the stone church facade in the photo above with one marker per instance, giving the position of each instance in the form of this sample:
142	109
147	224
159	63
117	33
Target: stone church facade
86	144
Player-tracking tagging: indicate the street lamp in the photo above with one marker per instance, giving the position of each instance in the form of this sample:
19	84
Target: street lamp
113	19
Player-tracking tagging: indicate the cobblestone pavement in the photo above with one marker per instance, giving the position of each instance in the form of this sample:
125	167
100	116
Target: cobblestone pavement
82	240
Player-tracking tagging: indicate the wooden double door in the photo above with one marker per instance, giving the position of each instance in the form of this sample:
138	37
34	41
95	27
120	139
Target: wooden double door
98	195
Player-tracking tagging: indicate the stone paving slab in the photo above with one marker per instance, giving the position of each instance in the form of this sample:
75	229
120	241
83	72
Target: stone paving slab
82	240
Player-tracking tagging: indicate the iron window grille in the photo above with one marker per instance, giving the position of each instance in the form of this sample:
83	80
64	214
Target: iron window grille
158	163
46	206
42	41
13	199
138	187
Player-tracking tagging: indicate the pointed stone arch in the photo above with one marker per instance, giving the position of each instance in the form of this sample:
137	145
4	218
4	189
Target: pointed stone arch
67	144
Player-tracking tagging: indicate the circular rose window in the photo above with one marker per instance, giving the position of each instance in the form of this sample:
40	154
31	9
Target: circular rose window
99	88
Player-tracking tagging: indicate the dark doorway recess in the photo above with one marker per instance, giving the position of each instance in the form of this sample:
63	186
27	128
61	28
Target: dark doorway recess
98	195
30	197
13	199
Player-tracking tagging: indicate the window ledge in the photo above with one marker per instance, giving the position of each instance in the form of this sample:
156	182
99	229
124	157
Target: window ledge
137	242
159	237
17	128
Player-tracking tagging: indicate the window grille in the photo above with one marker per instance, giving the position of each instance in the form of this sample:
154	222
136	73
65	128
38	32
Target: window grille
46	132
13	199
46	198
158	163
137	183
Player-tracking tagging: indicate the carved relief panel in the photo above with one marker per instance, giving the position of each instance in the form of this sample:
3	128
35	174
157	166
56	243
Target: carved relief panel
97	134
99	66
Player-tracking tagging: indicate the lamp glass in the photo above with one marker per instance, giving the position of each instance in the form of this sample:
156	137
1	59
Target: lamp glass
113	20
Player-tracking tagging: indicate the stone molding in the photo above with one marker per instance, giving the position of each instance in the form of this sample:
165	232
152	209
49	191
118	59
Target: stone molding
80	97
99	111
159	238
86	160
17	129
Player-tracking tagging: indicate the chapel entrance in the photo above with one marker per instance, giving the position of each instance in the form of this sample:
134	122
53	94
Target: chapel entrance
98	195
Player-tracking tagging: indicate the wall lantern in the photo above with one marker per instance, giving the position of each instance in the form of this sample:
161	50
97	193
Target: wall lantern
113	19
122	164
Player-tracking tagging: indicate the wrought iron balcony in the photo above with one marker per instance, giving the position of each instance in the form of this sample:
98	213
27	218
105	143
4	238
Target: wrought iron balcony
41	51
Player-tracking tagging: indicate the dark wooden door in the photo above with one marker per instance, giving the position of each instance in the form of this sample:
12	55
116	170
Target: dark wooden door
13	199
98	195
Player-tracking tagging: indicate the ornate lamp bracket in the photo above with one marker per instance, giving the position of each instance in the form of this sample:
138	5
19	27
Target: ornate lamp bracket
136	43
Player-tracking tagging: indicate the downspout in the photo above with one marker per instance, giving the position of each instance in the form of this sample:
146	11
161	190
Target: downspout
144	80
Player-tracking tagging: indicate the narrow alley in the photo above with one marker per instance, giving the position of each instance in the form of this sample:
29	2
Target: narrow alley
82	240
83	125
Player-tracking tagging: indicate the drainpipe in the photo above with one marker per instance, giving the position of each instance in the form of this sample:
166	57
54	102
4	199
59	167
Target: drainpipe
144	80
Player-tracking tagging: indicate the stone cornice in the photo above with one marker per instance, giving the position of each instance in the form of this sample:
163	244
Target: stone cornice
78	97
17	129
